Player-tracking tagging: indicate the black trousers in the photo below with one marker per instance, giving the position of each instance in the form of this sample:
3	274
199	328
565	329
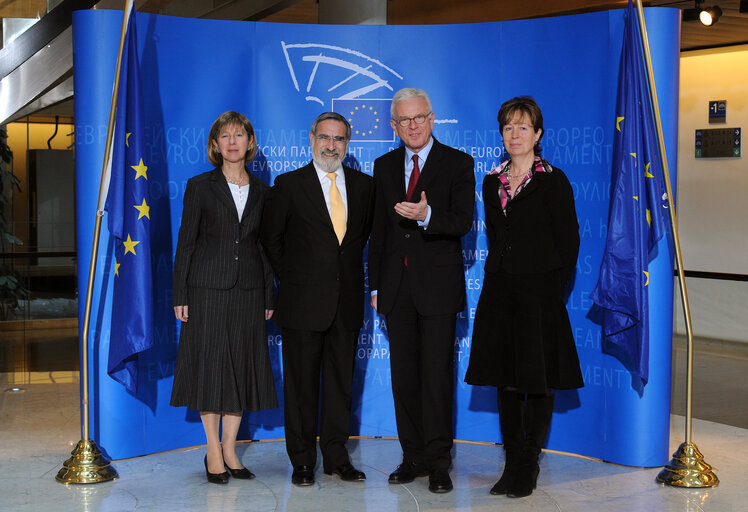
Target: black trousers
422	365
308	358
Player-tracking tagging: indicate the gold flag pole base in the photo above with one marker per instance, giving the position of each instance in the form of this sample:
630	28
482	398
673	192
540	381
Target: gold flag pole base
87	466
688	469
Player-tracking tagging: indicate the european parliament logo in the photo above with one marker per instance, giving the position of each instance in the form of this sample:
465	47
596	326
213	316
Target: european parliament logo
322	71
369	118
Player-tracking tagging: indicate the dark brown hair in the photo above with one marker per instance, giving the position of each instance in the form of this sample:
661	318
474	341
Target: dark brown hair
524	105
225	119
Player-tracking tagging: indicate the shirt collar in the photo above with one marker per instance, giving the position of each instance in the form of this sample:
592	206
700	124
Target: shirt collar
323	174
423	153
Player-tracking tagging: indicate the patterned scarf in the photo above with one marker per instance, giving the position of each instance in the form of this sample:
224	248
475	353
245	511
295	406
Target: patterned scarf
505	190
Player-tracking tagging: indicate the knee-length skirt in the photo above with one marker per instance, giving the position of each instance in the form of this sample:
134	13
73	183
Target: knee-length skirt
223	363
522	336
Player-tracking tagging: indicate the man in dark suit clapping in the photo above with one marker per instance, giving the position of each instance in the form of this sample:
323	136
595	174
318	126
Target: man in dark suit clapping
315	226
425	193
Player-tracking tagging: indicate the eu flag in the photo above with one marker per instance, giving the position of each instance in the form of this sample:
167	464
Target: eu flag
129	224
635	222
369	118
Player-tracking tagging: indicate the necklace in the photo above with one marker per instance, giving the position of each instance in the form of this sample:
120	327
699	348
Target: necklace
515	176
235	182
238	185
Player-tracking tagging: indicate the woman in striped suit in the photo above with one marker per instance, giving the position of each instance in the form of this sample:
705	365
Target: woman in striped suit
223	292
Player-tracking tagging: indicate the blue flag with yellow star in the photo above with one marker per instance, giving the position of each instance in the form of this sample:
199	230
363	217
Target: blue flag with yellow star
369	118
129	224
635	221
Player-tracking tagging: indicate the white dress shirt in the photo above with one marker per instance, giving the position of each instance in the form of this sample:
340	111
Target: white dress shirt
240	195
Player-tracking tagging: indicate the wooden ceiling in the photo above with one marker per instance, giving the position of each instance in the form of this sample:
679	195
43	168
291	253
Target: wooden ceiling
731	28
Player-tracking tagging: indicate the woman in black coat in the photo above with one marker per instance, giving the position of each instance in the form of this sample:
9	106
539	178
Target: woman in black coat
223	292
522	339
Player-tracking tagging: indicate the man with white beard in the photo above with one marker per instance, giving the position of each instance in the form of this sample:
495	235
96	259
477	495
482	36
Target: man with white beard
315	226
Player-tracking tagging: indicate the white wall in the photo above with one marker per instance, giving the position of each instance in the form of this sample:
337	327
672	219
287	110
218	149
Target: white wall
712	195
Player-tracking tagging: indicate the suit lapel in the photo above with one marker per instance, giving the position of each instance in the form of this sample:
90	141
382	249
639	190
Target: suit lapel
221	190
429	172
254	197
535	183
398	175
315	196
354	197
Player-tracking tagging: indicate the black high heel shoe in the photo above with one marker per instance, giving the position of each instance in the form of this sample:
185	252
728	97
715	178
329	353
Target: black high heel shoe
242	474
215	478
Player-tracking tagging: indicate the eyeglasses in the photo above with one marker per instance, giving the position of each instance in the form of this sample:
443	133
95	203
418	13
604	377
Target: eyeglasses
338	139
419	119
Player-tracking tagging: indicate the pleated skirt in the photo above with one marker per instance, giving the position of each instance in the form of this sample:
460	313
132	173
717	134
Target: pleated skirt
522	336
223	363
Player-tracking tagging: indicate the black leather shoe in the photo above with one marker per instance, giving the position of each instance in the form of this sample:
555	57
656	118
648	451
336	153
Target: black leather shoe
242	474
439	481
347	473
407	472
215	478
302	475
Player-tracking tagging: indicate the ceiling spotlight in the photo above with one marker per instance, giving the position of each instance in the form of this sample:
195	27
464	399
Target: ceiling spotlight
709	16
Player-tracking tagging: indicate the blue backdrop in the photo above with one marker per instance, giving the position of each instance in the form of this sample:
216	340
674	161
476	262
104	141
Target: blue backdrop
282	76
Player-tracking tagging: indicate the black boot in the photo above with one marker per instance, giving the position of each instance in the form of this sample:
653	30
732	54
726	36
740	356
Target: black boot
538	413
511	411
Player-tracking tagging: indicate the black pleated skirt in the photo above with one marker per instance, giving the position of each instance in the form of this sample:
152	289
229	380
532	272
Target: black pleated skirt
522	337
223	363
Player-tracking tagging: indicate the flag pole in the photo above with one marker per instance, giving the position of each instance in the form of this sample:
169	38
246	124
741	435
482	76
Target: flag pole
687	467
87	464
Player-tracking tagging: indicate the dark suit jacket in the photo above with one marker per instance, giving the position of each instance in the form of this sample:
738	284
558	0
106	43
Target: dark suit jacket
435	254
215	249
540	231
315	272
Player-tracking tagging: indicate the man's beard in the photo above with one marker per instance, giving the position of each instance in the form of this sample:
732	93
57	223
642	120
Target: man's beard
327	164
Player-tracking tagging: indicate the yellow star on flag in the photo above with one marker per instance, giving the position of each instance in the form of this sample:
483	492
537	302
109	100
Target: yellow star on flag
646	274
618	122
116	268
647	174
130	245
649	218
140	170
144	210
127	139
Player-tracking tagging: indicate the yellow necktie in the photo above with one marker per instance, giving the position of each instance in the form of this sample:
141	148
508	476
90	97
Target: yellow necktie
337	208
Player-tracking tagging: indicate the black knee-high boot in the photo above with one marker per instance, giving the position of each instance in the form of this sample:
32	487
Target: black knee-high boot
511	412
538	413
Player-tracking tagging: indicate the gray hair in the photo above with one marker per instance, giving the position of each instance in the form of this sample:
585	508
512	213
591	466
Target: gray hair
406	94
335	117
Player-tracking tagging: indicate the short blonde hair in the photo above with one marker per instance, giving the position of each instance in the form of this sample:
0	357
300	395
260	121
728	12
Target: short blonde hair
225	119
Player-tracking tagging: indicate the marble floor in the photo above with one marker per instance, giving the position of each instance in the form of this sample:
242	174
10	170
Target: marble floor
40	425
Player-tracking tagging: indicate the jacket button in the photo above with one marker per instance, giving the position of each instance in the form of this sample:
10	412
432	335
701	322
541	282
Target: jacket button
340	253
236	258
407	235
236	241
